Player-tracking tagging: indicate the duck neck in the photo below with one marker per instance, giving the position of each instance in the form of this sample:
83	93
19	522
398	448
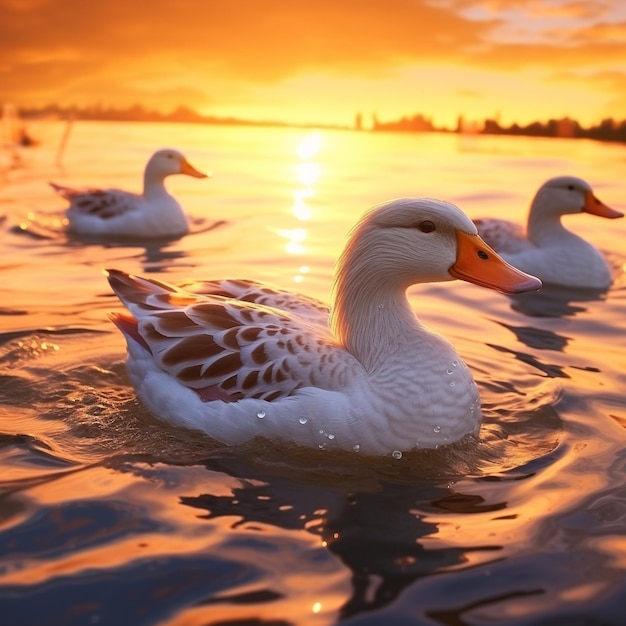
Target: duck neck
153	185
371	316
543	227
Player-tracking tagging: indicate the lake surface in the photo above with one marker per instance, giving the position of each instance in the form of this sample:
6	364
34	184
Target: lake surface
109	516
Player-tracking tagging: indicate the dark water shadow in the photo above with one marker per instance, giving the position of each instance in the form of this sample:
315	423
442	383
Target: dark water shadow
537	338
381	534
382	518
554	301
384	532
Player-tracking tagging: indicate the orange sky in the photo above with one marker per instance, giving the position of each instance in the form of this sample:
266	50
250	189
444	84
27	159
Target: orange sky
321	60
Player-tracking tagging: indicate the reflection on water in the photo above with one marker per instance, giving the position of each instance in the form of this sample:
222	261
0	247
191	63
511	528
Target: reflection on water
379	536
551	370
109	516
538	338
553	301
157	256
307	172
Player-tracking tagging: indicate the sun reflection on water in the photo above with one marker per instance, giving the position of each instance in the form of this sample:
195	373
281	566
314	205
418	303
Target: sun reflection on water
300	208
309	146
307	173
295	237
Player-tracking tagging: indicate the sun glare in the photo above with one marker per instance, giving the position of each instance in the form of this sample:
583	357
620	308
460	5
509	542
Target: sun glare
295	238
307	173
309	146
300	208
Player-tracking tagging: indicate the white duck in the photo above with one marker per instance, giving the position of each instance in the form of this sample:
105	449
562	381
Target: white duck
241	360
116	213
547	249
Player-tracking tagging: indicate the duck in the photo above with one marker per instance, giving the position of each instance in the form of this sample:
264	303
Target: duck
547	249
238	359
153	214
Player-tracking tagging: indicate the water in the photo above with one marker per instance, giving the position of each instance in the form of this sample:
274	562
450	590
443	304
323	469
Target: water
108	516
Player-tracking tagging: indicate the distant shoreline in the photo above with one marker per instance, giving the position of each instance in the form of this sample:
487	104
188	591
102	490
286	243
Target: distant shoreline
607	130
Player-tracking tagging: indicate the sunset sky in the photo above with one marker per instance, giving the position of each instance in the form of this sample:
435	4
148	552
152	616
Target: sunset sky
321	60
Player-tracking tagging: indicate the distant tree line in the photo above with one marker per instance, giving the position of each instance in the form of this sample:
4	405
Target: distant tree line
135	113
606	130
138	113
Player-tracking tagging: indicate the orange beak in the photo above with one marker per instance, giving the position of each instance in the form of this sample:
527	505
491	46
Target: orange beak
595	207
477	263
190	170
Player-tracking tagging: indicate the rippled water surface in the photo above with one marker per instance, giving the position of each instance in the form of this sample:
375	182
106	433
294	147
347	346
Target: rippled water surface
108	516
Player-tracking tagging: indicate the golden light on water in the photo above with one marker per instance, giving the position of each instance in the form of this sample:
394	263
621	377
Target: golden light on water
295	238
309	146
614	548
307	173
300	208
298	278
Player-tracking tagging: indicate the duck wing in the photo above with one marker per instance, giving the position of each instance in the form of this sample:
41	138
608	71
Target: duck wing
255	292
228	349
101	203
503	236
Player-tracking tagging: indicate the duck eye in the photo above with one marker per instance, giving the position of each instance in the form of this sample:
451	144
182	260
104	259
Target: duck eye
426	226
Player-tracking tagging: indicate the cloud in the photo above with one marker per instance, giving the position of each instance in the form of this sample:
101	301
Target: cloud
536	8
